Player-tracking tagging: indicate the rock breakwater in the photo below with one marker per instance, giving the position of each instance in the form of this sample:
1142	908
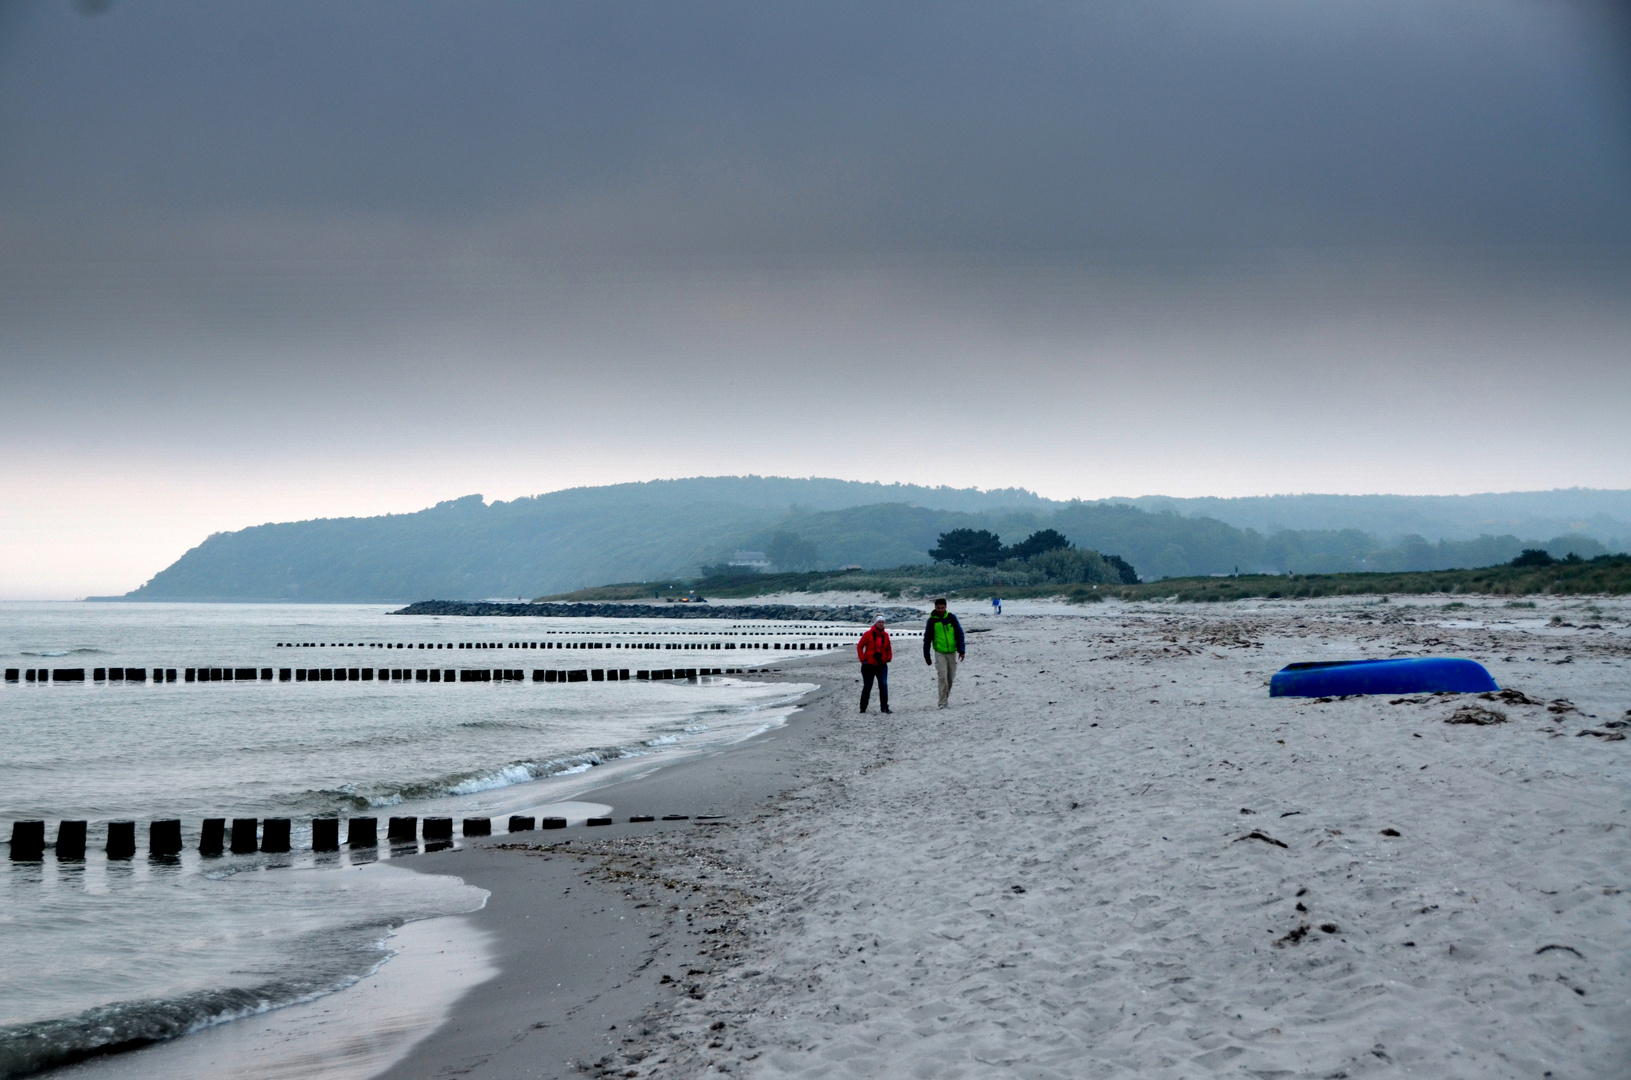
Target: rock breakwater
849	613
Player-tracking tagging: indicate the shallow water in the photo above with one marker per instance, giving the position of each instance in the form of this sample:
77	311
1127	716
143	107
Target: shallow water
103	953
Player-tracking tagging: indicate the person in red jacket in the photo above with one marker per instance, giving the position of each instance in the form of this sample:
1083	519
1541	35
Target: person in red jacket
875	654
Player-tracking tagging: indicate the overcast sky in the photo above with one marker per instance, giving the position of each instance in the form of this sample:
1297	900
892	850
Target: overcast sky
275	261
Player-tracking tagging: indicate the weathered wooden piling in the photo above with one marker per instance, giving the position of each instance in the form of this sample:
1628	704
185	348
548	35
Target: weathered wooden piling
522	823
325	834
164	837
478	826
552	823
275	834
27	841
402	828
362	832
121	840
244	838
438	828
212	837
70	840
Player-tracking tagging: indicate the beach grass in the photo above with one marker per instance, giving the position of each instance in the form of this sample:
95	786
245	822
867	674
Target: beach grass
1608	575
1605	576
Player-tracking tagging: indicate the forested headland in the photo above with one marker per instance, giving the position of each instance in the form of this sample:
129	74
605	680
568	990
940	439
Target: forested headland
688	530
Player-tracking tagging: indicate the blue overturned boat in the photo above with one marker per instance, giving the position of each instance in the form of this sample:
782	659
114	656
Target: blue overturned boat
1423	675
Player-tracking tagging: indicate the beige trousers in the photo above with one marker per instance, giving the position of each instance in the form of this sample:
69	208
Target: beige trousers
945	666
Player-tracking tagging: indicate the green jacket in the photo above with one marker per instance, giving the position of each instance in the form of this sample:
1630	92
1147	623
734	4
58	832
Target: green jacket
943	634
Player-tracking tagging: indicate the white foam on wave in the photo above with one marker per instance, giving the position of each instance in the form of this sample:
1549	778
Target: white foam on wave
513	774
527	771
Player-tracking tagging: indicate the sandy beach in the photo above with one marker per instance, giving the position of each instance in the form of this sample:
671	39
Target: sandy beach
1113	855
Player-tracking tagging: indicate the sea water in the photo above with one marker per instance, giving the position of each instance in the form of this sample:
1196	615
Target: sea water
101	954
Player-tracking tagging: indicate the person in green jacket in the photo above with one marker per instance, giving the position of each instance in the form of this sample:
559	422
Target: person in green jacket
943	637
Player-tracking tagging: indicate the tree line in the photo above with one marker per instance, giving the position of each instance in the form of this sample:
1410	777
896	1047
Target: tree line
1046	550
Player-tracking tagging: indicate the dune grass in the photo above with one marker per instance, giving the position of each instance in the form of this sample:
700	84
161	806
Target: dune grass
1607	575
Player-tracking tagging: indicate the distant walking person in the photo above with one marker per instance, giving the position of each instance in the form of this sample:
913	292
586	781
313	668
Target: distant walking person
875	654
944	637
996	605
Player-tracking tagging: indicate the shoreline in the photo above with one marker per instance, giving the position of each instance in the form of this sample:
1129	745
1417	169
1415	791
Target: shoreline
416	1014
603	949
349	1033
388	996
1115	854
1050	879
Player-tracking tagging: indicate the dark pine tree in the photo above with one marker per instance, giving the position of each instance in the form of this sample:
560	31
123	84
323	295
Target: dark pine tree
1037	543
968	547
1129	576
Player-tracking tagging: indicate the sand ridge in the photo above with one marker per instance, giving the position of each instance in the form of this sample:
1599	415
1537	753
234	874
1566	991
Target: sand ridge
1116	855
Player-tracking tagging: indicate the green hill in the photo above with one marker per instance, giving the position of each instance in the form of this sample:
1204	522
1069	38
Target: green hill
668	530
466	548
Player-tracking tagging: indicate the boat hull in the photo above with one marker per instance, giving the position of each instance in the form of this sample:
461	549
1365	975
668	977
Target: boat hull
1422	675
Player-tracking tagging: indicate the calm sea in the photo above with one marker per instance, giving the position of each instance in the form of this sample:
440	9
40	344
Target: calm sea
101	954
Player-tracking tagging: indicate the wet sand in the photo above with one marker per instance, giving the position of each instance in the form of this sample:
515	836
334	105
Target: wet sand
583	955
349	1035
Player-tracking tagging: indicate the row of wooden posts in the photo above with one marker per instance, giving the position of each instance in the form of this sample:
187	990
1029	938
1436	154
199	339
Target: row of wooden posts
239	674
246	836
435	675
704	646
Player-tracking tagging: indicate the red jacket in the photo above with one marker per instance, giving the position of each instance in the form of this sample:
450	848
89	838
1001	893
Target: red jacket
873	648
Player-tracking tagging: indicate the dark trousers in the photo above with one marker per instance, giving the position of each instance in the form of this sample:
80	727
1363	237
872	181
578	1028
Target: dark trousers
881	673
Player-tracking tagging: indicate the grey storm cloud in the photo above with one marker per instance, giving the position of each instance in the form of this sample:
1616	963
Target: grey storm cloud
274	260
775	127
